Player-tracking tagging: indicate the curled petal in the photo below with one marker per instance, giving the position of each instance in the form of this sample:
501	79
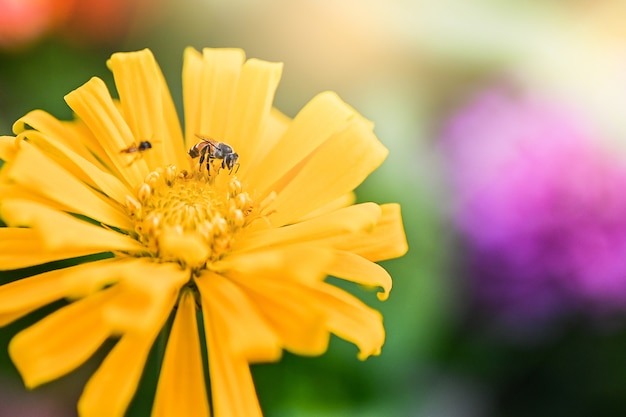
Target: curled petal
362	271
352	320
385	241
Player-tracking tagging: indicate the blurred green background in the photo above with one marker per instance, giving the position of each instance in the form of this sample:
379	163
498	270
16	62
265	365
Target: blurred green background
406	65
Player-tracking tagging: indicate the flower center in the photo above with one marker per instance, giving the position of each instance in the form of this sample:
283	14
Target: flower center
190	218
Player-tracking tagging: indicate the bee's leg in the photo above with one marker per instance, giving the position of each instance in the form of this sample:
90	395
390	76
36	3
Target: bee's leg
208	165
203	155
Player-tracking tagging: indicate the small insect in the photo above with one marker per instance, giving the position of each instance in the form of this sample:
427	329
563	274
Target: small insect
212	149
137	149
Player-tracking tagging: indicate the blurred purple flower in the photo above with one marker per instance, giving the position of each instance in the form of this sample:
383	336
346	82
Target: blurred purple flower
541	207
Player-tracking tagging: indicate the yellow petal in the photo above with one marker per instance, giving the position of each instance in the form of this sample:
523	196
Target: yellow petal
175	147
252	104
97	275
92	142
57	131
8	148
59	231
340	202
87	170
11	191
386	241
192	96
345	221
187	247
145	290
300	262
111	388
248	334
332	171
287	306
181	389
23	296
275	127
10	317
140	97
21	247
352	320
379	240
362	271
60	342
59	185
322	117
95	107
232	387
144	99
209	86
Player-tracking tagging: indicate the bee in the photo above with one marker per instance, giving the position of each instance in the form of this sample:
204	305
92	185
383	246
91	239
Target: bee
137	149
212	149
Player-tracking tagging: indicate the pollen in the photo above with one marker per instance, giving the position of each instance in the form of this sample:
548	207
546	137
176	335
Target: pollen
190	218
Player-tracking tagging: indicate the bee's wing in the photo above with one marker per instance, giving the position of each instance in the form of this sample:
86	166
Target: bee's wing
130	149
208	140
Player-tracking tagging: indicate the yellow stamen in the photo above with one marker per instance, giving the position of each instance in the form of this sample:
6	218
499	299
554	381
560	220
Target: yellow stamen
175	211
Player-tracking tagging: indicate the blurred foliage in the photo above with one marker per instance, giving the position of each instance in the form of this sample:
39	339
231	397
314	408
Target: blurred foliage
38	78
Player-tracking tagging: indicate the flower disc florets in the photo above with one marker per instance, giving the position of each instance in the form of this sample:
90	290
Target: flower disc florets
191	218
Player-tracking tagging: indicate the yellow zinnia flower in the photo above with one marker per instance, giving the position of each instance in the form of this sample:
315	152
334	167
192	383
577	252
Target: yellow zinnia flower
247	242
